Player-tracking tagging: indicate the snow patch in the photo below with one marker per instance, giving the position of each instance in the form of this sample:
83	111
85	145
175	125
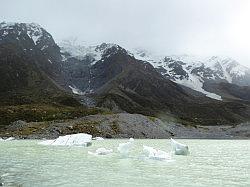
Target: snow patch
50	61
196	84
44	47
76	90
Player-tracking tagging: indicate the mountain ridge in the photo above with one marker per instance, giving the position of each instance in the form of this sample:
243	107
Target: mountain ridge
110	76
189	71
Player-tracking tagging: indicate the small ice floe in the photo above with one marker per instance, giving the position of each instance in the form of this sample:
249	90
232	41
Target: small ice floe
8	139
178	148
101	151
155	154
80	139
124	148
98	138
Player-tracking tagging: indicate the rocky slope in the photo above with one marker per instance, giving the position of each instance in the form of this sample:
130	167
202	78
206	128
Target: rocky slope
122	125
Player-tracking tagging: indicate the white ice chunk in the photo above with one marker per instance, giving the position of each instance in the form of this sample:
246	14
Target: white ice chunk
9	139
178	148
155	154
1	139
80	139
124	148
101	151
98	138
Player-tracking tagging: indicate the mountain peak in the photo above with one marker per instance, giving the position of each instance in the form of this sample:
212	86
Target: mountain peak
73	48
33	30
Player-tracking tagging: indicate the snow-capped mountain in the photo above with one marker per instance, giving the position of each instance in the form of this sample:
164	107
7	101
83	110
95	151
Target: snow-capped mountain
29	64
34	68
34	31
31	37
81	64
74	49
73	64
195	71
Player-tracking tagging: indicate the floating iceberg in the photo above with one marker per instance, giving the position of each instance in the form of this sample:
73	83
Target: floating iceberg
6	140
98	138
80	139
124	148
155	154
101	151
178	148
9	139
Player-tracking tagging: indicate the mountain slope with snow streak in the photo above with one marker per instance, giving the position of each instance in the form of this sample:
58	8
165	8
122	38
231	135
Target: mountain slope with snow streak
194	71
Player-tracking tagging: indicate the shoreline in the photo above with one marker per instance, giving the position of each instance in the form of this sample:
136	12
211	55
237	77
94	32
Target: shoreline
121	126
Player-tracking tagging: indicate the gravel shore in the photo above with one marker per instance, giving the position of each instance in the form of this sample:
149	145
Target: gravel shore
122	125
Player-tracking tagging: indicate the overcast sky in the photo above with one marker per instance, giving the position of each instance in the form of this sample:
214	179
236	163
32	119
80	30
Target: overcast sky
198	27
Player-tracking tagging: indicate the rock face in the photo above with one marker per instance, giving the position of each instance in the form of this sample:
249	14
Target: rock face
229	91
30	68
34	41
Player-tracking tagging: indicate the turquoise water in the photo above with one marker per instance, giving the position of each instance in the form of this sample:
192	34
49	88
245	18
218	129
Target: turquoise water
211	163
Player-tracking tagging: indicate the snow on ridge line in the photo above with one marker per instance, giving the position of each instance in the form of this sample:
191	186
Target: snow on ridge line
77	49
204	68
7	25
34	30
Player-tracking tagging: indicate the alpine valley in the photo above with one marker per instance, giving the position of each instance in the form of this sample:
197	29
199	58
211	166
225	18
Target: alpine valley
50	89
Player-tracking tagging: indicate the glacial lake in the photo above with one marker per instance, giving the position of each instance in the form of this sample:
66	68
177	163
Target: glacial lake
210	163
